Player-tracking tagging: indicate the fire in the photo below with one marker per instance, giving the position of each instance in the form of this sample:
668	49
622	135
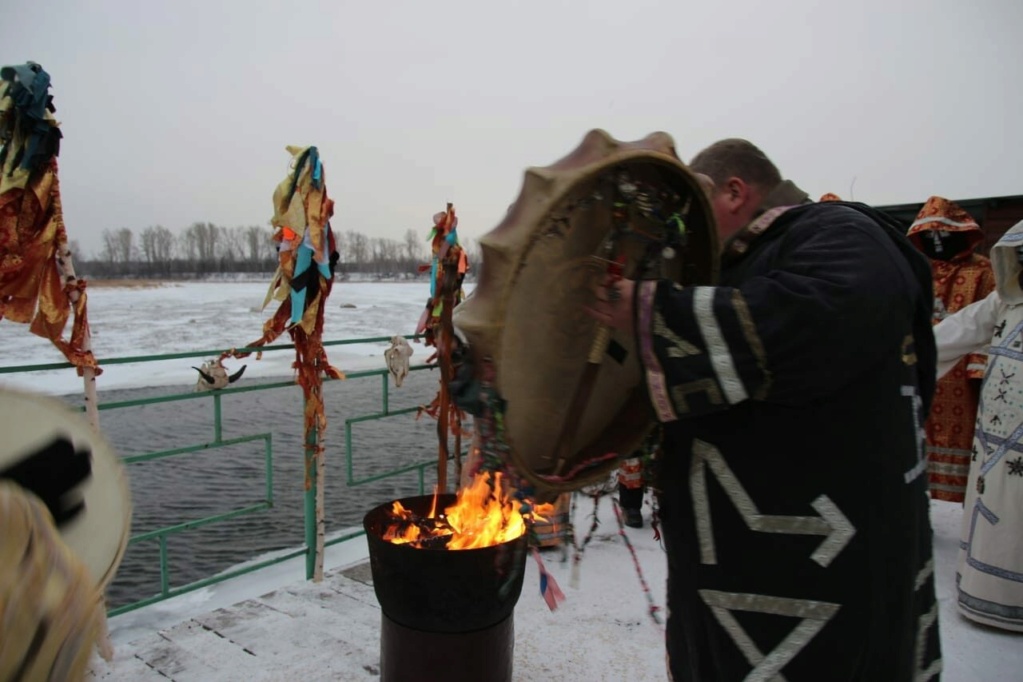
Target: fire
483	514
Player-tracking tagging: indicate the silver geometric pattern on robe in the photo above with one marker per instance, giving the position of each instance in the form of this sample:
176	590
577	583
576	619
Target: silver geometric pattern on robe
679	347
830	522
815	615
921	434
924	625
717	347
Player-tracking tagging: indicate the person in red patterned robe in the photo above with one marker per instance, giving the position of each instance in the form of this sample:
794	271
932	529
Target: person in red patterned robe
948	235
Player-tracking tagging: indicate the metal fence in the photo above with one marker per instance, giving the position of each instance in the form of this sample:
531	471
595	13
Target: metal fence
217	441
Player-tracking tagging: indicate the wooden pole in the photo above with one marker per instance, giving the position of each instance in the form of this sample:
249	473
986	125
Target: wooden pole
313	502
66	267
457	418
65	264
321	526
308	348
581	396
88	373
445	341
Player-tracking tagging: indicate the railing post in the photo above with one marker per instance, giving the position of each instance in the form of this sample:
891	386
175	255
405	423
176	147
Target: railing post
164	568
268	453
218	431
310	502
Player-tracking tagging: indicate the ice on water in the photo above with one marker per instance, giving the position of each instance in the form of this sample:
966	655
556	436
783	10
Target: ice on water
176	317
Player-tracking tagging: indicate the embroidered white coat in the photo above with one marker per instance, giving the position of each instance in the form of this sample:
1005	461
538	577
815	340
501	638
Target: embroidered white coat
990	571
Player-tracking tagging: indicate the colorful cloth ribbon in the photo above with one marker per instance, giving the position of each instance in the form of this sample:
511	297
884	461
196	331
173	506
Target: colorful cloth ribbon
549	589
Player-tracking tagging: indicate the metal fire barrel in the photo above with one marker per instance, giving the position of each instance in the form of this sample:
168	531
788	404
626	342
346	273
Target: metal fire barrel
447	614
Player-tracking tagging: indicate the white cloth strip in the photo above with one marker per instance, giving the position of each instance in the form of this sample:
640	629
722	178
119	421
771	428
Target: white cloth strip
943	221
717	347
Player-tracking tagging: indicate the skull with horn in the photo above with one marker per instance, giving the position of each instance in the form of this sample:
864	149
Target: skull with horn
213	376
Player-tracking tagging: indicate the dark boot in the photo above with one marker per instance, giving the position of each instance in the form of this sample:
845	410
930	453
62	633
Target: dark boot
631	500
633	518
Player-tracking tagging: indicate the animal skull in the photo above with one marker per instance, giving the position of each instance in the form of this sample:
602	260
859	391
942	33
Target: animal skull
397	357
213	376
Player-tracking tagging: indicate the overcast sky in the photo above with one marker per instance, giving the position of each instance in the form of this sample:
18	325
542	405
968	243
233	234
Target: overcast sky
176	112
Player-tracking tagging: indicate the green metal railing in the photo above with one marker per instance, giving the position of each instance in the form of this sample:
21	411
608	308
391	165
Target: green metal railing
385	412
161	535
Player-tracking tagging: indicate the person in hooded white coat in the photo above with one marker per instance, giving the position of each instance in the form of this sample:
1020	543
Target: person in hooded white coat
989	576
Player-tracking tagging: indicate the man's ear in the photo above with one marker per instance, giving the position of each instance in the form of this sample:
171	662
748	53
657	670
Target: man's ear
737	193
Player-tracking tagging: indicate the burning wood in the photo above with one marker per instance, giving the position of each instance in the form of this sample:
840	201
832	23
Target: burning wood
484	514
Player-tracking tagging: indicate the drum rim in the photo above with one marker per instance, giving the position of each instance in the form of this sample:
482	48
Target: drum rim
598	153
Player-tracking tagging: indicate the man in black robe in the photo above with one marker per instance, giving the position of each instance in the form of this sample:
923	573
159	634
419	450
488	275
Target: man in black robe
793	396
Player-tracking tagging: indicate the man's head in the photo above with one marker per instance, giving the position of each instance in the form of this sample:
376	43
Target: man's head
742	175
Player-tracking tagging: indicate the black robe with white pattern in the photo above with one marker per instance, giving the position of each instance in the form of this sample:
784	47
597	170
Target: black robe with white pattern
792	486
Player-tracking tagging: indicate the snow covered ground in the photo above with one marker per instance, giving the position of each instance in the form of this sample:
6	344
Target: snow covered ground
601	632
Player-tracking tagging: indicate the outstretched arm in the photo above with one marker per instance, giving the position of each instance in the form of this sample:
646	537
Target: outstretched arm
969	330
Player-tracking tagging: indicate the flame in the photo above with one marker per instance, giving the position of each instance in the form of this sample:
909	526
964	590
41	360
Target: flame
542	512
484	514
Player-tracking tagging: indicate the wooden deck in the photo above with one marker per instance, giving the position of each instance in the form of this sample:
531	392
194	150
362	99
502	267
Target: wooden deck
330	630
325	631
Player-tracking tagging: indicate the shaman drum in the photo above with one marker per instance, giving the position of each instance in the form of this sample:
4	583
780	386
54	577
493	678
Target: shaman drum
97	536
574	397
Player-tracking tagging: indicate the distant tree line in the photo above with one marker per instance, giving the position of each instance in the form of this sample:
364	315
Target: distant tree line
203	249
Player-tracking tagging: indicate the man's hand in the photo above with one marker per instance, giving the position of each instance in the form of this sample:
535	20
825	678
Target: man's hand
52	473
612	306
